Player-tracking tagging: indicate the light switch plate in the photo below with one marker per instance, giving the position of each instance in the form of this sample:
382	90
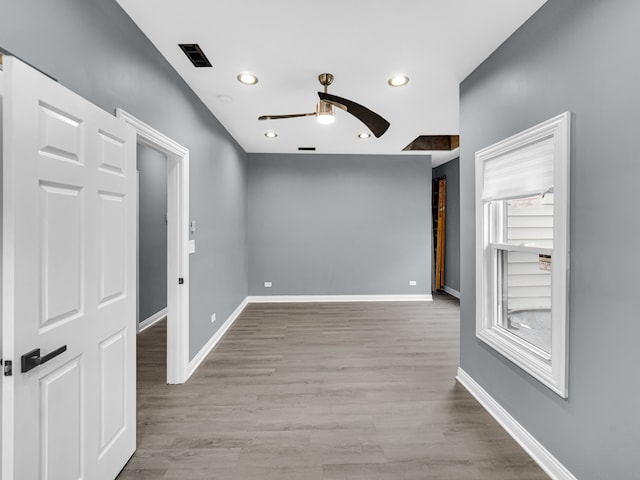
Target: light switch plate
192	246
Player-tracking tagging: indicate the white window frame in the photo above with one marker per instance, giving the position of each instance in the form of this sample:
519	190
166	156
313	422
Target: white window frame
548	368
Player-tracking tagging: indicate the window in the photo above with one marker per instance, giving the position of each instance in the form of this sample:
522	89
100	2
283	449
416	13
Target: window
522	245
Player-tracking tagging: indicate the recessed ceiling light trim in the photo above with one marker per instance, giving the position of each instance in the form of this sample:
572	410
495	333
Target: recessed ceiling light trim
398	80
247	78
364	135
270	134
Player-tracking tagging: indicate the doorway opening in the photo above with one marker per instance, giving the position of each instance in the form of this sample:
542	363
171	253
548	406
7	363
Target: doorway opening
177	244
438	208
152	222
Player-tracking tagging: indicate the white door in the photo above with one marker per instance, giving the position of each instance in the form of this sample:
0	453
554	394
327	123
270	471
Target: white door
68	280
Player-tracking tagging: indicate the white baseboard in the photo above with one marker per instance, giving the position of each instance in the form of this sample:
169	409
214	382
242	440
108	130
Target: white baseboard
153	319
213	341
452	292
338	298
550	464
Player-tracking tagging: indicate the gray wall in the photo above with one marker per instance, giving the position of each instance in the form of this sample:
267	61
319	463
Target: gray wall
451	170
339	224
579	56
95	49
152	232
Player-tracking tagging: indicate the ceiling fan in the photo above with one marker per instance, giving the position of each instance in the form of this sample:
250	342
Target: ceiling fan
325	110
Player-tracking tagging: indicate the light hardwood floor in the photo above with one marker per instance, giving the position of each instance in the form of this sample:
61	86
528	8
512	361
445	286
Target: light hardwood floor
357	391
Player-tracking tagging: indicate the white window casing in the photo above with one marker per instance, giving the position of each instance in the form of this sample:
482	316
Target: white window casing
533	163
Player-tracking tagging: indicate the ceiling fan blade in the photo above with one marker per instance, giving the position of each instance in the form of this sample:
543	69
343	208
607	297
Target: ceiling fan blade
372	120
293	115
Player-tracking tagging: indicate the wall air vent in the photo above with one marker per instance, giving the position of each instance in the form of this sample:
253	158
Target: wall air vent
195	54
307	149
434	142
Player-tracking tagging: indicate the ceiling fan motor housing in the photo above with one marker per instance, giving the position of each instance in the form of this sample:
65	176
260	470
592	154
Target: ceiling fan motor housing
325	79
324	108
324	113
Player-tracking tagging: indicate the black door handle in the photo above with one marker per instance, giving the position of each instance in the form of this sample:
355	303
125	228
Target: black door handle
32	359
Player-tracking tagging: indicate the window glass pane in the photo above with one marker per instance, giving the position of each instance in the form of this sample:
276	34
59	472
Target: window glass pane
525	296
529	221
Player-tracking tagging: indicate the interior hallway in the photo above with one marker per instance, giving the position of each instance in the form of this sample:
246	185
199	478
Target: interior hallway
322	392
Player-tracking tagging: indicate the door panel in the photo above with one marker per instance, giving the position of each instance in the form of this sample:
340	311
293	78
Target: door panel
112	390
112	246
62	230
59	134
62	413
112	154
69	279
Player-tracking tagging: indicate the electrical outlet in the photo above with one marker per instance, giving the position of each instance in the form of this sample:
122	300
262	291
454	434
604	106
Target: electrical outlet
412	283
268	284
213	318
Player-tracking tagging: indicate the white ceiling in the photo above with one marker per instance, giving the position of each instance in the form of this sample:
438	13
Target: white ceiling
287	43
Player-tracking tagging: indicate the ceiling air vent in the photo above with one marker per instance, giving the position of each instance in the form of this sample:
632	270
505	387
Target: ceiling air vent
195	54
434	142
307	149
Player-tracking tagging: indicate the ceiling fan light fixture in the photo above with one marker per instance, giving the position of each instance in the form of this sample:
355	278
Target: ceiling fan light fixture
271	134
324	113
398	80
325	118
364	135
247	78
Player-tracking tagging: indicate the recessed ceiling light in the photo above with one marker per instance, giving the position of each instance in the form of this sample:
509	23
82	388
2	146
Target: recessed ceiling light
247	78
364	135
398	80
271	134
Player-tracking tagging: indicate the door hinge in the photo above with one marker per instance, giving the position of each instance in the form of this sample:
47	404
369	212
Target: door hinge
8	368
180	281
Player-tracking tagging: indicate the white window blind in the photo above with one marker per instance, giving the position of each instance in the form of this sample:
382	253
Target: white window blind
519	173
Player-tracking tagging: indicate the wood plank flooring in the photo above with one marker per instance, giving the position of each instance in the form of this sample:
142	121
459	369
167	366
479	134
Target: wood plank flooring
342	391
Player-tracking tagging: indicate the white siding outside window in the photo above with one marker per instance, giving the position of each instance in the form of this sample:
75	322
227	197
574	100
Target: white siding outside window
530	222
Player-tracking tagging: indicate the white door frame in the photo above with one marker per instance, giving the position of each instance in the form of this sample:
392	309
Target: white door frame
1	233
177	244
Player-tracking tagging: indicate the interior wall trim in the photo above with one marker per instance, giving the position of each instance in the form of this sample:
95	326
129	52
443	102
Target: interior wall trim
177	242
338	298
452	292
550	464
213	341
152	320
